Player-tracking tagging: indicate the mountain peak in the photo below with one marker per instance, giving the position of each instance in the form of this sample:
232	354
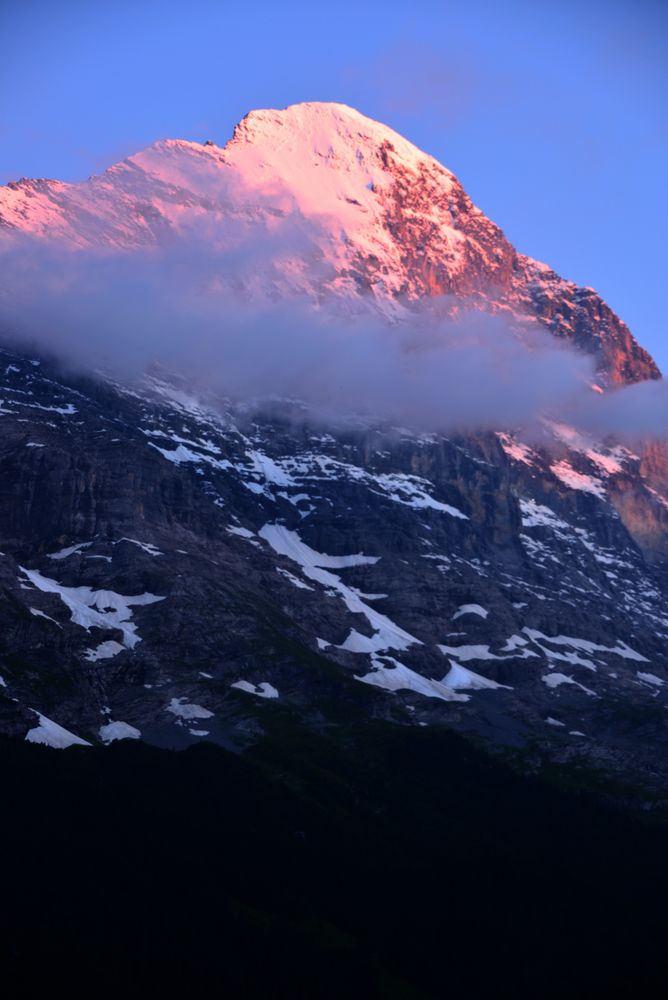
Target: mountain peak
354	211
327	128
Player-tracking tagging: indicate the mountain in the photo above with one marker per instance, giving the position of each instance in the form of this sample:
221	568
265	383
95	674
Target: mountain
179	569
349	208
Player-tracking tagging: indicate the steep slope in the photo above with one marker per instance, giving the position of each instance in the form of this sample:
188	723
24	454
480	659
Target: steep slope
332	204
179	572
176	569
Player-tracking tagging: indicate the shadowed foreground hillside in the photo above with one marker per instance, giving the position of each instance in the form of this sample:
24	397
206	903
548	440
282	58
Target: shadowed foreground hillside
387	862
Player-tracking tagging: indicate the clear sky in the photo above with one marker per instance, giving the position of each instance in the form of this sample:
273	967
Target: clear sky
553	114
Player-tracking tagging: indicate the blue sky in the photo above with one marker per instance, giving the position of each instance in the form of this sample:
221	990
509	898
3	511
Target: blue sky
552	114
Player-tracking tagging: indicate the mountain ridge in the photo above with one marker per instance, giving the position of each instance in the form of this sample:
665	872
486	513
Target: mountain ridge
177	568
367	218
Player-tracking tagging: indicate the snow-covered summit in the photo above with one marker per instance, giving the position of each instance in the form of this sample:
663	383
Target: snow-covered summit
320	201
335	132
327	166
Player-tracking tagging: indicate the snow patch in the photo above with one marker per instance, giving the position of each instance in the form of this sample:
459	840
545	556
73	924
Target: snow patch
398	677
40	614
70	550
517	450
478	651
103	609
104	651
241	532
387	635
294	580
536	515
565	472
118	731
651	679
262	690
619	649
182	455
187	710
460	678
148	547
555	680
50	734
267	468
410	492
470	609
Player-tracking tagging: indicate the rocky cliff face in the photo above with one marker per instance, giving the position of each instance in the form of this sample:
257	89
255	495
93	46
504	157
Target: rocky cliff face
176	569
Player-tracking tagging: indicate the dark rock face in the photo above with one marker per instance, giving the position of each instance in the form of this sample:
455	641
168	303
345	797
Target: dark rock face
159	549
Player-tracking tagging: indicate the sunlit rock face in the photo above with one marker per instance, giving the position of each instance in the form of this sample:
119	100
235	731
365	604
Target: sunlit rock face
176	568
348	209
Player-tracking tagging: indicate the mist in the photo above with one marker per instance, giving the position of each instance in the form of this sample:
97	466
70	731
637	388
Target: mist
205	313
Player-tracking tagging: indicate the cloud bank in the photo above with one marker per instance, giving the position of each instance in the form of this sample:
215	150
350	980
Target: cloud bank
186	307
